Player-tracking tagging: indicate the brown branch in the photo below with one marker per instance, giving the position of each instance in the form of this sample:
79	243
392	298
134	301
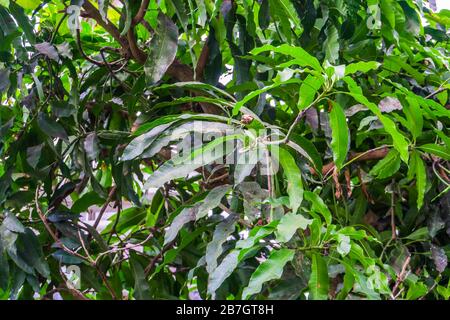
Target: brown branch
141	12
202	61
136	52
111	194
400	277
93	13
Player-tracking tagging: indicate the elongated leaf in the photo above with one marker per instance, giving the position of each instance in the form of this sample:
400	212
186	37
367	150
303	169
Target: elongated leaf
400	142
137	146
214	248
270	269
308	90
318	205
387	166
23	21
288	9
437	150
182	166
289	224
163	49
255	93
302	57
126	12
340	137
331	45
414	116
362	66
421	179
318	282
141	286
51	127
198	211
293	177
231	261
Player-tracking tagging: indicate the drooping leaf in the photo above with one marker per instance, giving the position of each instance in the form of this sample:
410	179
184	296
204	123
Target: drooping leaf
421	179
182	166
436	150
318	205
214	248
163	49
289	224
308	90
362	66
340	140
293	179
400	142
270	269
318	281
387	166
196	212
51	127
301	57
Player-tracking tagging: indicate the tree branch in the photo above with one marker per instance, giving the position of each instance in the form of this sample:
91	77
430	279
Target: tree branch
141	12
93	13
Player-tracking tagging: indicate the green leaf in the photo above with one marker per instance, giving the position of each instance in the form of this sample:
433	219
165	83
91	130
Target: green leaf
182	166
437	150
331	45
362	67
141	286
232	259
416	290
293	179
344	245
421	178
318	282
340	137
163	49
308	90
137	146
318	205
4	3
13	224
400	142
270	269
51	127
288	9
23	21
256	93
196	212
307	149
214	248
289	224
34	154
302	58
414	116
387	166
419	234
126	12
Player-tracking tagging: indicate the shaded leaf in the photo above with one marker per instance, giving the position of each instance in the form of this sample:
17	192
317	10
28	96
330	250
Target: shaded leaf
270	269
318	281
340	137
163	49
289	224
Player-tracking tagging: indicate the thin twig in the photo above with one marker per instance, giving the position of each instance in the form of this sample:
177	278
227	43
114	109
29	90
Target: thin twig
111	194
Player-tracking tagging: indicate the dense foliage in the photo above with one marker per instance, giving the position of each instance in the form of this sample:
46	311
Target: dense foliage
341	107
